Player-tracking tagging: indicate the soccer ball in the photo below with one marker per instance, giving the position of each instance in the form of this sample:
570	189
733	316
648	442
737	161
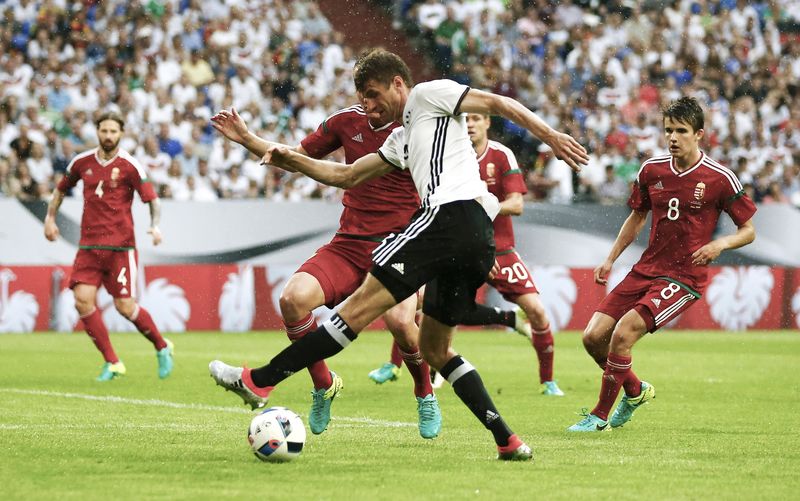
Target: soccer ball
276	435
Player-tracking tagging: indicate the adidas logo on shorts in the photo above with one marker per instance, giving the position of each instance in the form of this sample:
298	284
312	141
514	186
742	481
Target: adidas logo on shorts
656	302
399	267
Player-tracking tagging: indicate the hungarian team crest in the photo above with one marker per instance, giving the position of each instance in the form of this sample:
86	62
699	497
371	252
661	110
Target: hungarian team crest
700	190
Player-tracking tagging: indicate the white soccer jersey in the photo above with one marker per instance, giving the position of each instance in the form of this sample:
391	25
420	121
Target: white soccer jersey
433	144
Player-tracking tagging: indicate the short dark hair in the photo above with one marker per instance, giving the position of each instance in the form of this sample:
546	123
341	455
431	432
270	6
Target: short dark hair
110	115
381	66
686	110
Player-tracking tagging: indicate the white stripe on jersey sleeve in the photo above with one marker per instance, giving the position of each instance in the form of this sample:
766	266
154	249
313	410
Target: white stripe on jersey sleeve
138	166
78	157
650	161
512	159
729	174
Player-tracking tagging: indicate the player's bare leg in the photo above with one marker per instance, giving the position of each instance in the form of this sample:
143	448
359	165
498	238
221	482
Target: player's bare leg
400	320
140	317
617	371
542	341
435	342
85	297
299	297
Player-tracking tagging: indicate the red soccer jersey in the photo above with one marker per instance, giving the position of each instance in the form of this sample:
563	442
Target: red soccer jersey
379	206
686	207
108	188
502	175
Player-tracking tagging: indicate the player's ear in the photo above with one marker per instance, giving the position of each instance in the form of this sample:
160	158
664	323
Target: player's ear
699	133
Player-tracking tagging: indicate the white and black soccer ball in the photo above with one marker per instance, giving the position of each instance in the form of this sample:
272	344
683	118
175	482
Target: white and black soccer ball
276	435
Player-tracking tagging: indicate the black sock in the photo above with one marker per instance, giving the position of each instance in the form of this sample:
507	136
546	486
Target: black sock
327	340
469	387
486	315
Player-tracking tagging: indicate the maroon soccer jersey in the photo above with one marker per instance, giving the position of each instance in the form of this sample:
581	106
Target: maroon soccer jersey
379	206
108	188
686	207
502	176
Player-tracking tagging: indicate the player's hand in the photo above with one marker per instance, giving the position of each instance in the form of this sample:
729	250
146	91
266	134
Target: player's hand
230	125
277	155
601	273
50	229
566	148
156	233
706	254
495	270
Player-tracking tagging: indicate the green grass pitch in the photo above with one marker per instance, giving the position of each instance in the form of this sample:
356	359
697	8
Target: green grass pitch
724	424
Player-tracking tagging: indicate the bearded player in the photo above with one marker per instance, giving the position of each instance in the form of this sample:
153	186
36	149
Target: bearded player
107	249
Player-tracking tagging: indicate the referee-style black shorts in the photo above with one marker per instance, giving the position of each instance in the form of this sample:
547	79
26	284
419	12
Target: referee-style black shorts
450	248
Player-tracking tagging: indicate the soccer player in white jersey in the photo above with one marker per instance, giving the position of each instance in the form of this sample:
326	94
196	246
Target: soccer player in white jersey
448	245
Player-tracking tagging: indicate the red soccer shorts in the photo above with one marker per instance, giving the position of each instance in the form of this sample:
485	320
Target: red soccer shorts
340	267
657	300
514	279
116	270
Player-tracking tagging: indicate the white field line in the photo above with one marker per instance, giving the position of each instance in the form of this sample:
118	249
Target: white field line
177	405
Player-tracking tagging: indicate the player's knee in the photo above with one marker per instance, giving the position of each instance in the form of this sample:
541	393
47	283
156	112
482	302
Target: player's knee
403	329
435	355
126	308
294	303
83	306
537	316
623	338
592	338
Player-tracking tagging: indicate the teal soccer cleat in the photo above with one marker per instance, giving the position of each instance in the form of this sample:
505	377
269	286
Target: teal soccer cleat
550	388
111	371
589	423
430	417
165	362
321	400
384	373
624	411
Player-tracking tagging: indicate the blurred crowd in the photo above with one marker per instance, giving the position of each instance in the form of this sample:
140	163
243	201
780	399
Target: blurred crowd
599	70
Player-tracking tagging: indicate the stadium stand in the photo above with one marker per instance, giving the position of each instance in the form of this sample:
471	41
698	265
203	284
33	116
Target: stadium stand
599	70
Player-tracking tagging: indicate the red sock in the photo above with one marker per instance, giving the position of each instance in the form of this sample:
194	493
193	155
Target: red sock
96	329
320	374
419	370
144	322
543	344
397	357
617	370
632	385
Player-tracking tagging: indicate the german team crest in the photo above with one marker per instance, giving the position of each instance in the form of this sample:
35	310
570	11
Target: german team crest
699	190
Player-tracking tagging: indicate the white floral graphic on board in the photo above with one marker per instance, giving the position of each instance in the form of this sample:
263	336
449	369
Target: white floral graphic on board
738	296
557	292
165	302
18	311
237	303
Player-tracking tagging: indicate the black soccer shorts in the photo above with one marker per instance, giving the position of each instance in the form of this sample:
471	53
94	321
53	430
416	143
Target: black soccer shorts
450	248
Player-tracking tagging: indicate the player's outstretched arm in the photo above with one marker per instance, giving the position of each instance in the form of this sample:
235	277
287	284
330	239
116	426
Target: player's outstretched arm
627	234
231	125
155	218
564	146
744	235
50	228
330	173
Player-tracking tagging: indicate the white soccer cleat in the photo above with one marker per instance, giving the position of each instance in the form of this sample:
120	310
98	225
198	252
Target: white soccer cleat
232	378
